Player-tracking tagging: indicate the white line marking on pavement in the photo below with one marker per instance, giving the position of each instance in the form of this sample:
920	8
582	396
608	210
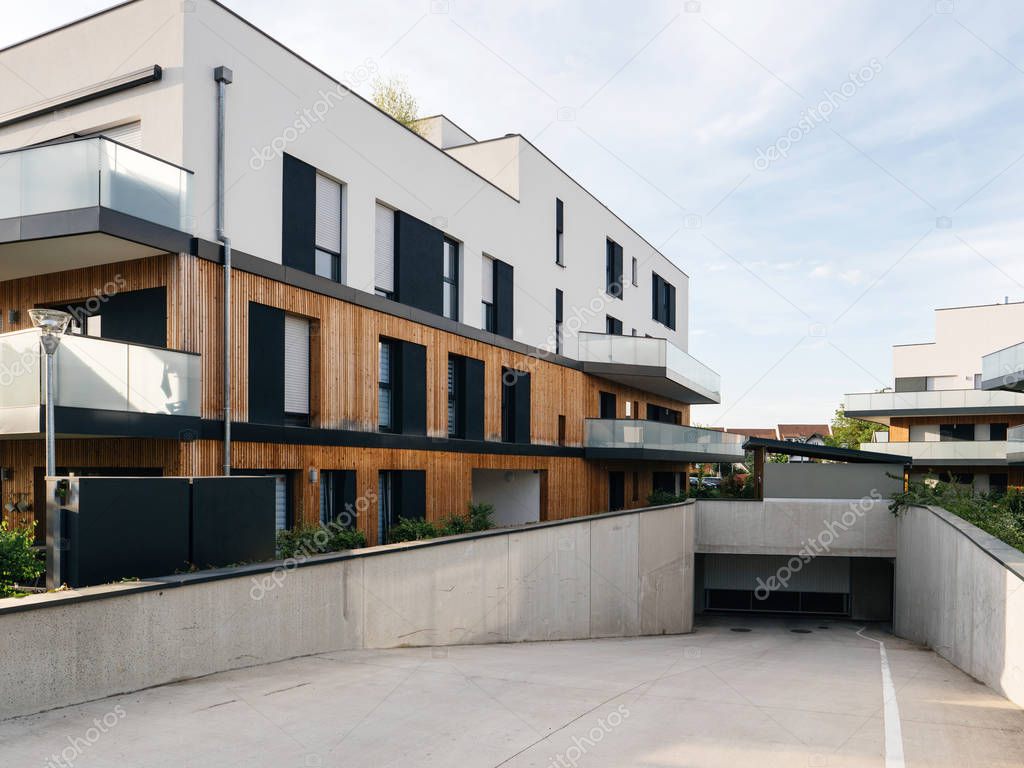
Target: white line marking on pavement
893	730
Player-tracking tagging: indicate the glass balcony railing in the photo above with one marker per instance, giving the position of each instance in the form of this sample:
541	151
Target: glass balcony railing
86	173
948	451
692	443
652	353
1004	368
94	373
891	403
1015	445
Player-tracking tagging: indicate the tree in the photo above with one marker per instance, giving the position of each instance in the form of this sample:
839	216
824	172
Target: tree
393	96
850	433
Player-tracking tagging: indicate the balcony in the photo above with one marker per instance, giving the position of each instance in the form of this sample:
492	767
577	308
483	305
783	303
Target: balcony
649	364
946	452
1004	370
1015	445
107	203
879	406
657	441
101	387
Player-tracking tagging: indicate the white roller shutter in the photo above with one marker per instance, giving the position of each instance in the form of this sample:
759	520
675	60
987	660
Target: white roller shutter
487	286
384	249
129	134
328	214
296	364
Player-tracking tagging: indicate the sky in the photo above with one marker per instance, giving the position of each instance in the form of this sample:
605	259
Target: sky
827	173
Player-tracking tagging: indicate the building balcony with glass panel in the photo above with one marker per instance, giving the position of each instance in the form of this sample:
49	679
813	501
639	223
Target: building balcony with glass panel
659	441
89	201
650	364
101	387
880	406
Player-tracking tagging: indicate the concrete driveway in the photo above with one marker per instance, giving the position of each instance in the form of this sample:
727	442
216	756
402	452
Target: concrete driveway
769	696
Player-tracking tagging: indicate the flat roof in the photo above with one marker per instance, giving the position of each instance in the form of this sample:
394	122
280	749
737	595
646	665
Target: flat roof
825	452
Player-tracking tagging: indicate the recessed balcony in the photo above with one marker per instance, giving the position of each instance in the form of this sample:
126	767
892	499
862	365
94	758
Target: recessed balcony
658	441
101	387
106	202
879	406
946	452
650	364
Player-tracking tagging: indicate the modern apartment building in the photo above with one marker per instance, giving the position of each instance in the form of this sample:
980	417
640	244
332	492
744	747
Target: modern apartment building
416	320
942	411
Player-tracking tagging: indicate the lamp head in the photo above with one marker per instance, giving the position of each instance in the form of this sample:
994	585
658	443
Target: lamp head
52	322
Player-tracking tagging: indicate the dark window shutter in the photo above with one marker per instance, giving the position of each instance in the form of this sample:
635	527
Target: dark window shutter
138	317
473	399
419	264
410	495
412	388
503	316
558	305
298	215
266	364
617	255
522	416
559	216
655	293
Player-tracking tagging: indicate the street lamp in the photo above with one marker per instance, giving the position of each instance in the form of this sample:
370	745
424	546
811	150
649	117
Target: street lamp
52	323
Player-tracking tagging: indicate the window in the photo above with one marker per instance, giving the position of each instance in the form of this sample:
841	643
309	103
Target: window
977	381
385	389
663	301
384	252
664	415
329	217
559	232
613	325
606	405
613	269
949	432
400	494
636	486
487	319
453	397
636	275
385	505
296	370
561	429
559	341
338	498
451	279
515	406
997	431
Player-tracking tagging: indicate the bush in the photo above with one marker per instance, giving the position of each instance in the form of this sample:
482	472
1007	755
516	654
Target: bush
305	540
660	498
478	518
999	514
18	561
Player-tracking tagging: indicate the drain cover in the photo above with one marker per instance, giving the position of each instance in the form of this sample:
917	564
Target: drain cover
801	631
738	629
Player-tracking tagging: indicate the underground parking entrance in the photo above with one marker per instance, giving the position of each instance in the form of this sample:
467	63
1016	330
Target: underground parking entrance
858	588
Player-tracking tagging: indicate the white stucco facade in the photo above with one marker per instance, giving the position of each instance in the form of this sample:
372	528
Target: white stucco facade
495	198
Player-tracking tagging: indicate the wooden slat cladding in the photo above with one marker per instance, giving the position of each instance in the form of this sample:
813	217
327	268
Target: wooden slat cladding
899	426
345	349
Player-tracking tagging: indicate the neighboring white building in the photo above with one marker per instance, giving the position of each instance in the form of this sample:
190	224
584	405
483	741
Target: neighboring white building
939	413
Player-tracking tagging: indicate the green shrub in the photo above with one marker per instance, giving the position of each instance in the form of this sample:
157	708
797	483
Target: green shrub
18	561
999	514
660	498
478	518
305	540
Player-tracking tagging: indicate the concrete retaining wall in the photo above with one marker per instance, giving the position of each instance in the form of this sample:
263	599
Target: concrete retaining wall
961	592
860	528
812	480
612	575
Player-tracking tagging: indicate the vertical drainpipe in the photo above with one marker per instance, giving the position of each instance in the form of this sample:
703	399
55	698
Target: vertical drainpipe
223	76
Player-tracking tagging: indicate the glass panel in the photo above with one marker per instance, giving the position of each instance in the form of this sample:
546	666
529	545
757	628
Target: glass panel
697	443
143	186
91	373
326	265
20	371
384	406
163	381
385	362
61	177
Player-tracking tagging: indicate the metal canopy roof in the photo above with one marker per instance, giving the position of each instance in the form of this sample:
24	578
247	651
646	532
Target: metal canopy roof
825	452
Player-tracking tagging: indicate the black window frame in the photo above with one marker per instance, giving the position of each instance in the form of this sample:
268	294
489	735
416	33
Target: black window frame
613	278
559	319
663	301
388	386
612	326
559	232
997	430
451	281
454	390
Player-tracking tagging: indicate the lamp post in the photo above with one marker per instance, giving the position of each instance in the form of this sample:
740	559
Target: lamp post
52	323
